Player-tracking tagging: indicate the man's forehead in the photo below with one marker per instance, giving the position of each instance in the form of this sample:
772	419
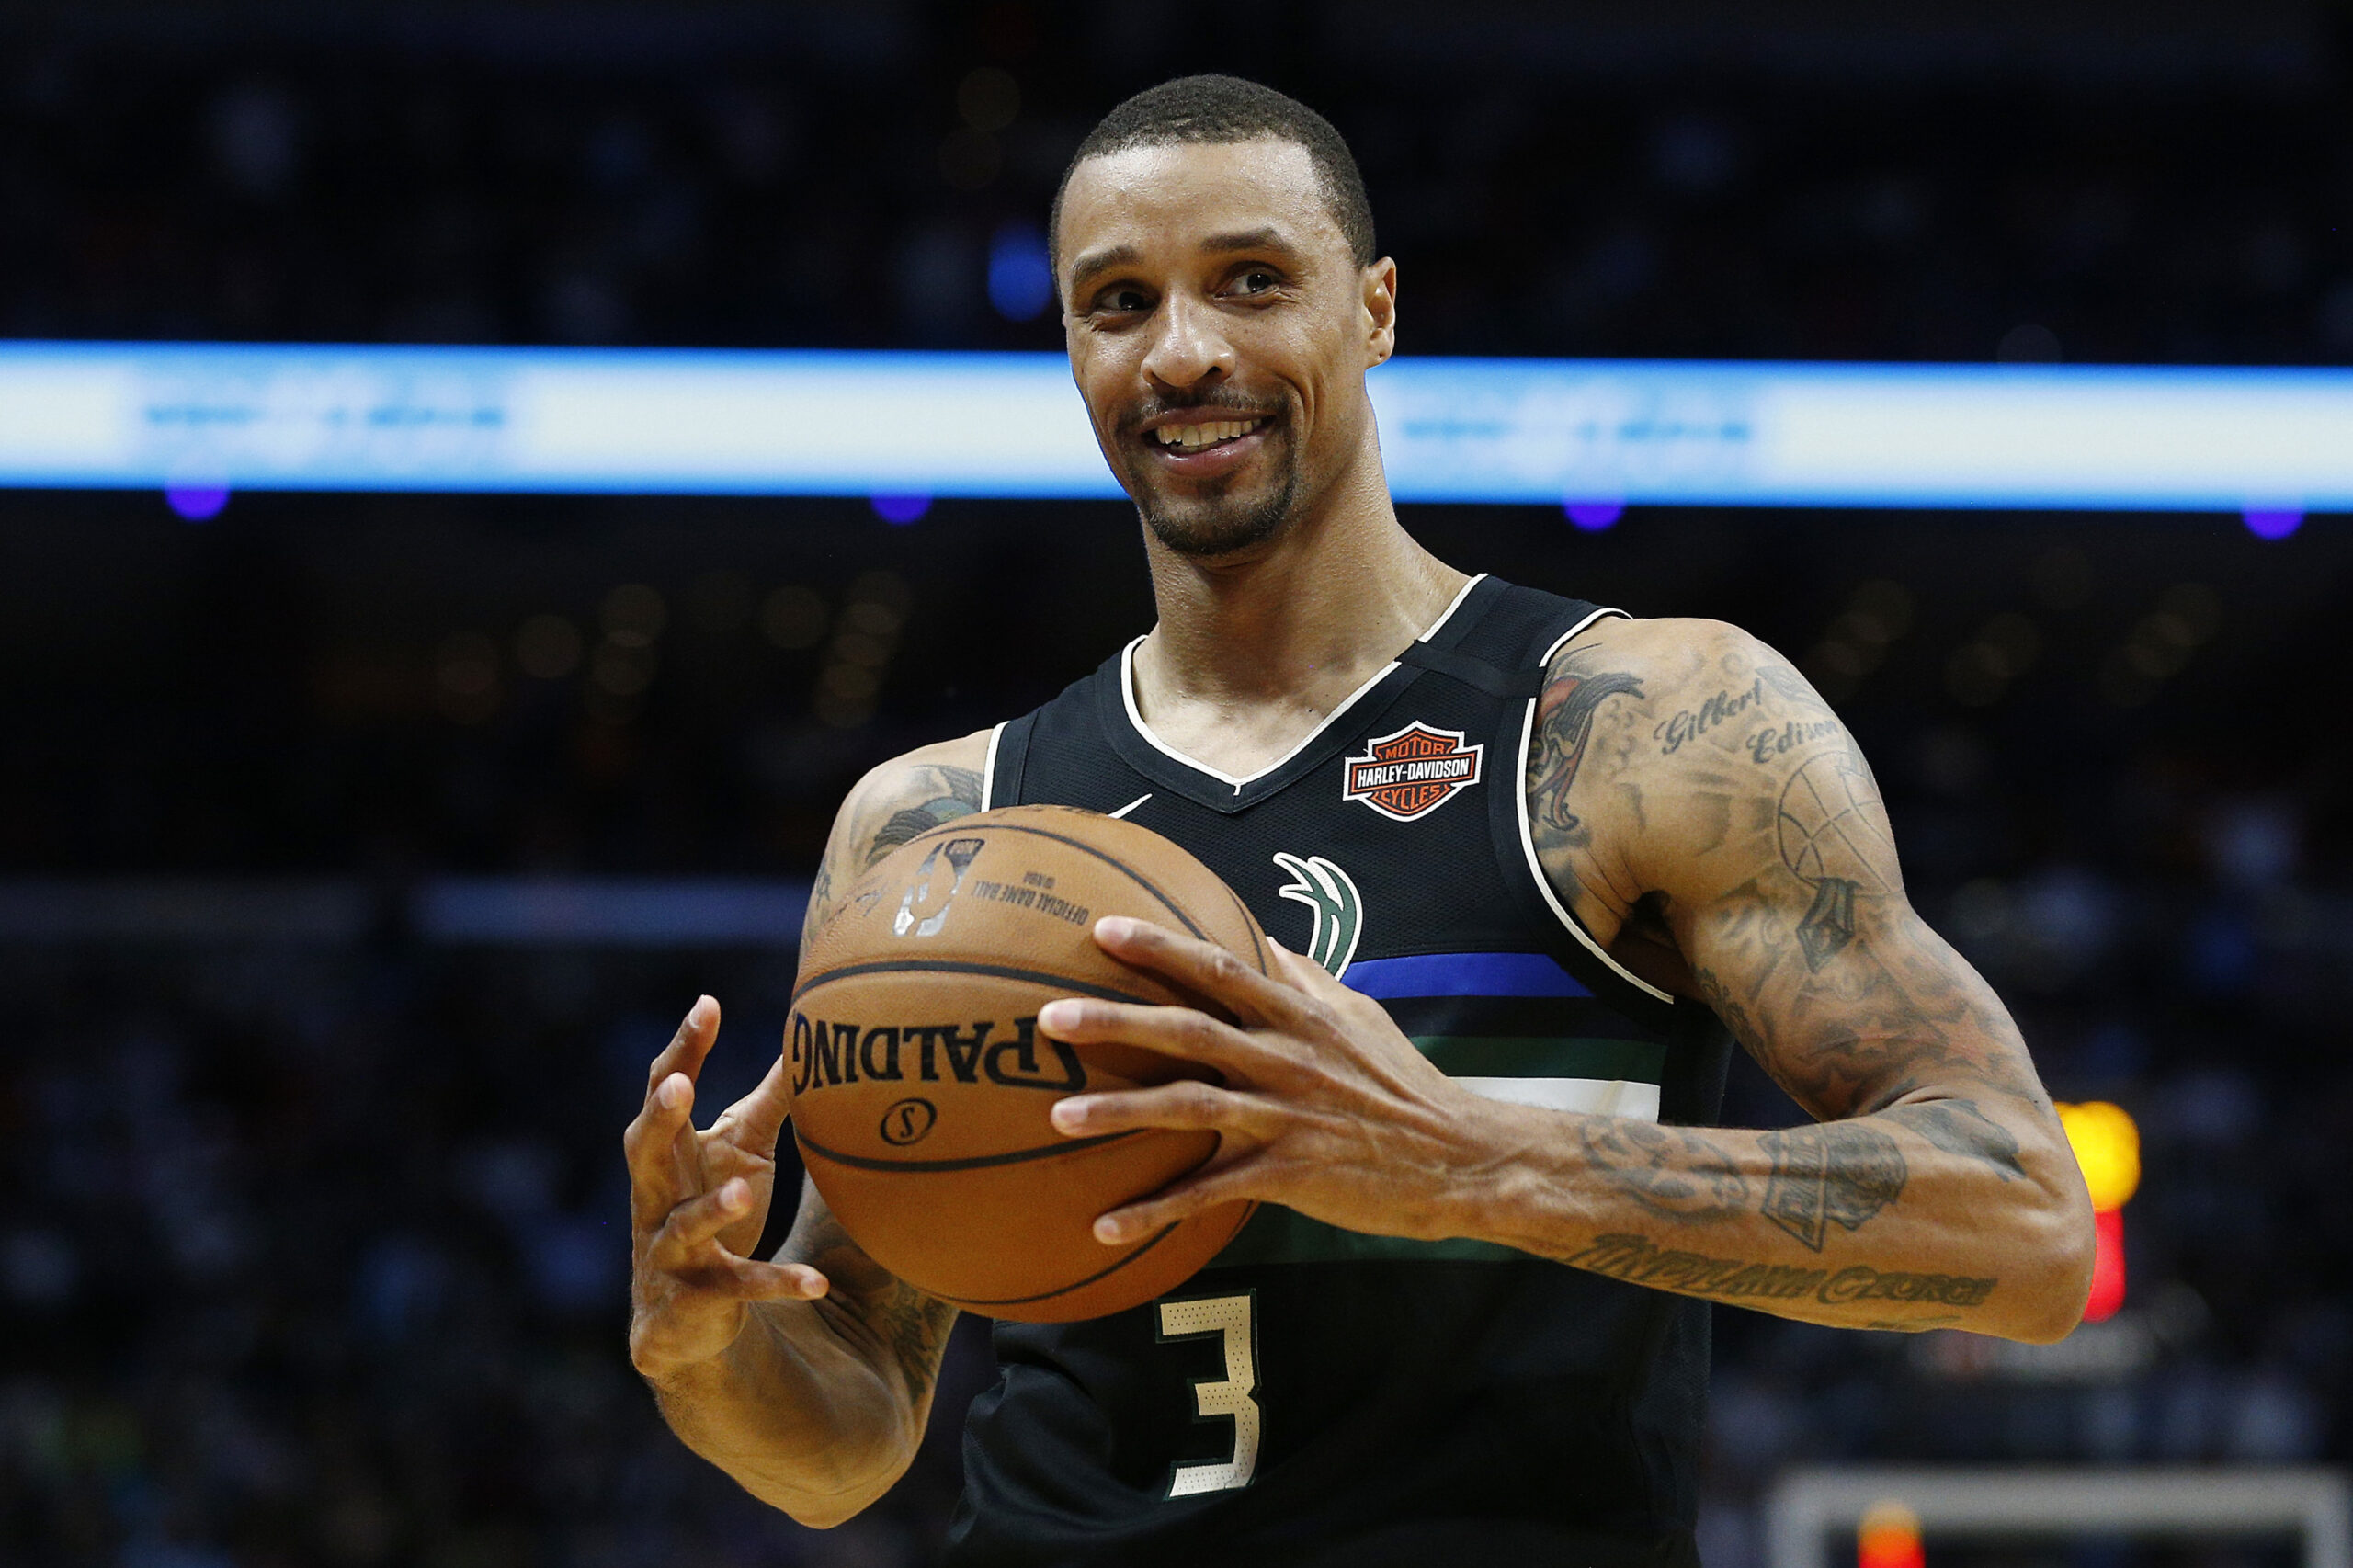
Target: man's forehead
1193	190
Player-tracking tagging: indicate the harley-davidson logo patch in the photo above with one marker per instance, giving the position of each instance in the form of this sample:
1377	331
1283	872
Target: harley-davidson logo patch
1411	773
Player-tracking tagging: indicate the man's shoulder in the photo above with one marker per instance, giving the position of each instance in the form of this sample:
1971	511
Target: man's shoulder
1673	694
1664	648
948	767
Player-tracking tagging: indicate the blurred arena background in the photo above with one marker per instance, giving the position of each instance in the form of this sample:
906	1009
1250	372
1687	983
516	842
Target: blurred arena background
357	850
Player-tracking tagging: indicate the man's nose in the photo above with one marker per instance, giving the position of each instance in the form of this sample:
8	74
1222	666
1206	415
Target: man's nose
1189	350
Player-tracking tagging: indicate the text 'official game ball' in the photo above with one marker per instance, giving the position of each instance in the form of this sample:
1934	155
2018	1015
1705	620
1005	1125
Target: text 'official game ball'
921	1085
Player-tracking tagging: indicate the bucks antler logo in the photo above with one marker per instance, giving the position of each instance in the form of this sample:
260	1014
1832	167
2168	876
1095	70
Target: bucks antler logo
1339	913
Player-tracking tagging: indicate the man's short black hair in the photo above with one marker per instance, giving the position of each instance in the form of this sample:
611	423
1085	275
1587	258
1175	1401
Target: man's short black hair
1215	109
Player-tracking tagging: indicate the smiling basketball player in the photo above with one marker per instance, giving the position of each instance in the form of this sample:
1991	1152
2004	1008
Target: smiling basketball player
1540	856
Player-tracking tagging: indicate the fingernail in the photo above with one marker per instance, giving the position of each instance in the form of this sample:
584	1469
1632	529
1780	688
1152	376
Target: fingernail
737	1196
673	1091
1109	1229
1059	1016
1069	1115
1115	928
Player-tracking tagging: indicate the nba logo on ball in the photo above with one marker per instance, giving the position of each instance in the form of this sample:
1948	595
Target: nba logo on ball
924	909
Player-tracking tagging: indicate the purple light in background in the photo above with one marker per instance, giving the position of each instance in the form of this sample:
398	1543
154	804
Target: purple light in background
900	510
2273	522
1021	281
197	503
1594	515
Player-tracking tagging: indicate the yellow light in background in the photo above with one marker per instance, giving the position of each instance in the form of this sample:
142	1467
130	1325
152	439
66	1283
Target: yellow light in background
1889	1537
2108	1147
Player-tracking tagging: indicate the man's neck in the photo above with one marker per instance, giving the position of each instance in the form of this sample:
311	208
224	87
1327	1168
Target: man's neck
1252	652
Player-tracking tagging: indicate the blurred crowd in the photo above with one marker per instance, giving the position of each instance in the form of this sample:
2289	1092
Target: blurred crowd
313	1249
798	179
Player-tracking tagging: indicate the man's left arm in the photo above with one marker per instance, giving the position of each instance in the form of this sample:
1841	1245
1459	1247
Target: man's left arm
1723	805
1938	1190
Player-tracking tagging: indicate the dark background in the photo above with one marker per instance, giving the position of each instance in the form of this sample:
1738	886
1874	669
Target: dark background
310	1239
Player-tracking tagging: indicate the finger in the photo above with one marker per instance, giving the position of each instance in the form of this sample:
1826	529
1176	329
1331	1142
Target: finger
1181	1199
649	1145
1306	974
695	1224
688	1047
757	1119
1188	1106
1184	1032
726	1274
1199	966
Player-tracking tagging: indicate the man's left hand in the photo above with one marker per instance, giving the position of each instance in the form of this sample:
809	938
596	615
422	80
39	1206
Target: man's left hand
1326	1107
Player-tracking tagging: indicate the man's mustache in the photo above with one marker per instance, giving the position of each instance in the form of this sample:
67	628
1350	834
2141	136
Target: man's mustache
1159	408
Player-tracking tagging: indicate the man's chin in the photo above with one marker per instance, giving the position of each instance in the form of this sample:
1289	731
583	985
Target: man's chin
1206	531
1208	526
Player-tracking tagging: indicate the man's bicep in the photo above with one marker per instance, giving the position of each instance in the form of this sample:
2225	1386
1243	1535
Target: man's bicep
1772	854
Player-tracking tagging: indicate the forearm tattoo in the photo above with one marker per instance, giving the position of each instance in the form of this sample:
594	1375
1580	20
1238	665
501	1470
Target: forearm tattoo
910	1326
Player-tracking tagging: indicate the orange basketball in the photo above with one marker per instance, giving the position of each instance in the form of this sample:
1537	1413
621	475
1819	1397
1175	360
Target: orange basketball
921	1085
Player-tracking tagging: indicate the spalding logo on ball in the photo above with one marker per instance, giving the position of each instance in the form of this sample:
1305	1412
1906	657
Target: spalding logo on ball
929	979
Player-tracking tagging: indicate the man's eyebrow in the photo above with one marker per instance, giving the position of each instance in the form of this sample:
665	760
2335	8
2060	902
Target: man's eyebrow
1267	238
1095	263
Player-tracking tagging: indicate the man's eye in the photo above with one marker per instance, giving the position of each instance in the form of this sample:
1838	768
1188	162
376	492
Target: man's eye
1120	301
1258	281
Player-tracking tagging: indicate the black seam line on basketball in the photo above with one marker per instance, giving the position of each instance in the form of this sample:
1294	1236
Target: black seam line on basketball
977	1163
1130	873
1249	923
1065	1290
960	966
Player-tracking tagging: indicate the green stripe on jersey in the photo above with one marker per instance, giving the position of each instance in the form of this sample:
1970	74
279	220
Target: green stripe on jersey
1505	1056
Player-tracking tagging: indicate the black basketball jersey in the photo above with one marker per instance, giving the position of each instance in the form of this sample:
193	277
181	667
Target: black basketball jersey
1314	1395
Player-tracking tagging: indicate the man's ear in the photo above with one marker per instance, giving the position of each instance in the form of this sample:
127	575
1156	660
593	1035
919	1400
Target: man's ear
1380	304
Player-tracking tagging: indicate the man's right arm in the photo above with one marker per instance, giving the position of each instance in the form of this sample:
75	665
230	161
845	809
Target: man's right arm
808	1378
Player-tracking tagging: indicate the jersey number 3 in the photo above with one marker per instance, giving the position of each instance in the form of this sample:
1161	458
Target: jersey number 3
1229	1317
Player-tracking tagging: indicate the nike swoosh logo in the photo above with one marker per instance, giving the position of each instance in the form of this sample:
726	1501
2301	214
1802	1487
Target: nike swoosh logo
1131	805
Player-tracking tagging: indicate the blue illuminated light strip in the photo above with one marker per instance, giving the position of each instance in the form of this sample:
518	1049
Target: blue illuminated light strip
1599	433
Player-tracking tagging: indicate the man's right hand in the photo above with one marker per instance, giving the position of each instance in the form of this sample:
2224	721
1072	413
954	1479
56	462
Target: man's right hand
698	1203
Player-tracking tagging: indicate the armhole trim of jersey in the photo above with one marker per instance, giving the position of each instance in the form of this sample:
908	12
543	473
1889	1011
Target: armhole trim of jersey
1528	837
988	770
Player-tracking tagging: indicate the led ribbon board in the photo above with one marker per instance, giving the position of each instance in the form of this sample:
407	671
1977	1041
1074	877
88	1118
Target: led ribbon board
800	423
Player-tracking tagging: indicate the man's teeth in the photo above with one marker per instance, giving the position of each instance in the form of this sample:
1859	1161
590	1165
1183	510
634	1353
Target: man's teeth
1193	437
